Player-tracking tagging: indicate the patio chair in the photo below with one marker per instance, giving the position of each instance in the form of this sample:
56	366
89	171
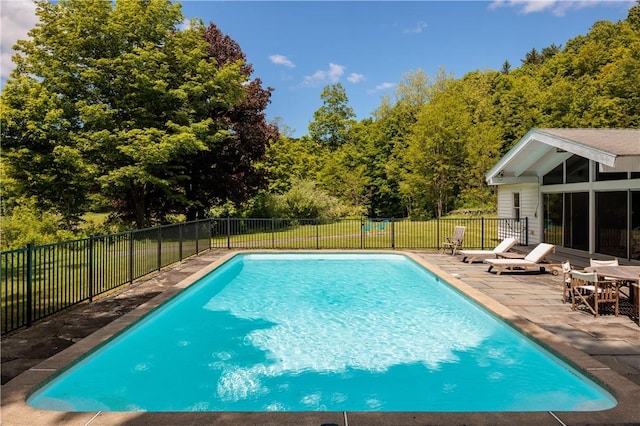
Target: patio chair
454	242
534	259
380	226
609	262
471	256
592	292
596	262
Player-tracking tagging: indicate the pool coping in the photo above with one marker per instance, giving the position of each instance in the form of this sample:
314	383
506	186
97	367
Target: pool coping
627	411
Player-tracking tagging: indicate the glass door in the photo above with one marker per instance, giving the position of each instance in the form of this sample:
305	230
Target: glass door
576	220
611	223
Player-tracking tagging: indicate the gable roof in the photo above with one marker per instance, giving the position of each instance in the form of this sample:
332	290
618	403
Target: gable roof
541	150
615	141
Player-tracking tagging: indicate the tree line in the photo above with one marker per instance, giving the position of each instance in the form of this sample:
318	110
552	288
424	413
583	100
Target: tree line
113	108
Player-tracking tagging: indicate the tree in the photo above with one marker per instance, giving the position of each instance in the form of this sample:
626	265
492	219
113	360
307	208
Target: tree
550	51
235	175
482	144
290	160
333	119
385	140
38	112
111	99
533	57
506	67
435	154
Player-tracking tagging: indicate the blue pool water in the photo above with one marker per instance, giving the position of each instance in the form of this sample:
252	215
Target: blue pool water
305	332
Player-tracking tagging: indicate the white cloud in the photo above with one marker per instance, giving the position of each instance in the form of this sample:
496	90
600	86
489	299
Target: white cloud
17	17
332	75
355	78
557	7
281	60
185	25
382	87
417	28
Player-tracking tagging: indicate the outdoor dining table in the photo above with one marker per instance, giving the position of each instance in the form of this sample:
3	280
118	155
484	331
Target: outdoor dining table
629	275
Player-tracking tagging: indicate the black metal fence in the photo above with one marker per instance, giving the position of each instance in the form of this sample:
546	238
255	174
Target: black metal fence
273	233
38	281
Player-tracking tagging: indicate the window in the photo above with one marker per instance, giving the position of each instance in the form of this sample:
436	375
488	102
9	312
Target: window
577	169
635	225
576	220
553	209
566	219
555	176
611	219
516	206
602	176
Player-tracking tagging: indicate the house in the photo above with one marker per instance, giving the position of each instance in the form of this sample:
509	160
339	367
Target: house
577	188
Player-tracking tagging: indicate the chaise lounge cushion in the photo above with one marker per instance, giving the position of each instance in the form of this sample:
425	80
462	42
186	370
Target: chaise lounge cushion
533	259
473	255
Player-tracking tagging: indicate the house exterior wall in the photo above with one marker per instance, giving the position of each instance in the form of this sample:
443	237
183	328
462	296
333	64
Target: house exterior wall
529	208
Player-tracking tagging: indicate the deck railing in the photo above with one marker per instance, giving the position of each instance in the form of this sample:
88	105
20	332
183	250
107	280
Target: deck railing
38	281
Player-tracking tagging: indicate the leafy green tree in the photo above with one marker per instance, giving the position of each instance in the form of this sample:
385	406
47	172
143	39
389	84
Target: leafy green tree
386	140
550	51
482	144
38	112
633	17
112	99
344	175
435	154
518	101
533	57
229	168
331	122
506	67
289	160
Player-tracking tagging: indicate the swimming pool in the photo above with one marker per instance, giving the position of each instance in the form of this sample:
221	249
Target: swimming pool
352	332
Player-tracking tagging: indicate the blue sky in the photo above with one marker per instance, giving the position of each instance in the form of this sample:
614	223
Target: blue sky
299	47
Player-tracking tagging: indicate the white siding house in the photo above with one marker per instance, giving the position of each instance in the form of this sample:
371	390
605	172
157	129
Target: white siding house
519	201
577	188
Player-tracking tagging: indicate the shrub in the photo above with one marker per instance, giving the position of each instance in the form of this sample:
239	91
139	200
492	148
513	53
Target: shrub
24	224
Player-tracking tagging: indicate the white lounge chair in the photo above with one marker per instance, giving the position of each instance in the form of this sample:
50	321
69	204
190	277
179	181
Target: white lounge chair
471	256
532	260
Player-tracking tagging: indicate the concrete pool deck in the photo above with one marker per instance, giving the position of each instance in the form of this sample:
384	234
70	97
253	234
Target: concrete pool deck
607	348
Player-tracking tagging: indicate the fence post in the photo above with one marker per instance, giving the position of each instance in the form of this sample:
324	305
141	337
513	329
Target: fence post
438	232
197	223
29	284
228	233
90	266
317	233
180	238
393	233
526	229
159	247
482	242
273	234
131	259
361	234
